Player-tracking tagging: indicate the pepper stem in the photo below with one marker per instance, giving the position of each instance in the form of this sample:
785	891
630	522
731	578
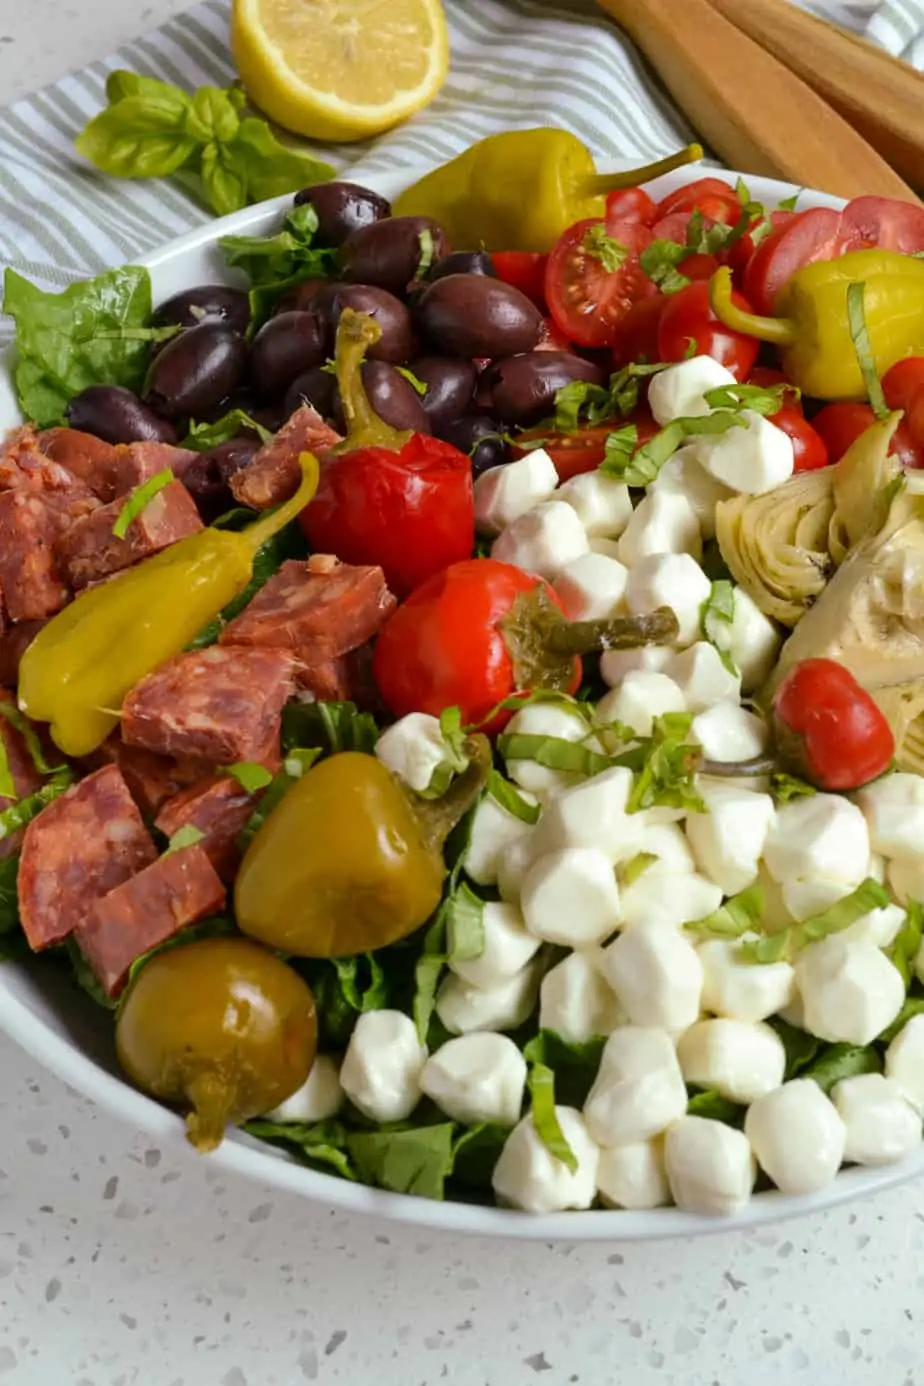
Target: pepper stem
257	534
602	183
208	1096
438	817
356	333
619	633
781	331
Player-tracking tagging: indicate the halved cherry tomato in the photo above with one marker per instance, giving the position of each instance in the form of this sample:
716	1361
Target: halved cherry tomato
813	235
524	269
699	266
584	450
841	424
637	334
903	382
766	377
631	204
675	227
694	197
688	317
887	223
587	300
809	448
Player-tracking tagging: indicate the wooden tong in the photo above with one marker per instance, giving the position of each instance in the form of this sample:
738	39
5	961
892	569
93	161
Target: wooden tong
752	109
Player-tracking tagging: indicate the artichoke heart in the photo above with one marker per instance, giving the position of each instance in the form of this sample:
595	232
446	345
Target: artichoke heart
902	705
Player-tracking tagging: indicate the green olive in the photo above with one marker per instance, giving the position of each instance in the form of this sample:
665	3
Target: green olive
220	1026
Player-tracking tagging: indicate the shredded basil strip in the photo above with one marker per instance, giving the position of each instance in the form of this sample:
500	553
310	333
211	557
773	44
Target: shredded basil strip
785	787
635	867
464	925
249	775
620	445
510	799
610	252
204	436
738	915
420	386
859	332
515	702
907	943
187	836
869	895
760	400
541	1084
427	255
139	500
644	466
553	752
660	260
7	784
18	815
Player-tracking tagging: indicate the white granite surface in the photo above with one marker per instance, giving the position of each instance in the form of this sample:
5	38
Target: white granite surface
120	1264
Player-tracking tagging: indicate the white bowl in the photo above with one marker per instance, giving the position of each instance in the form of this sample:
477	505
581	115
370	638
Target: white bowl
64	1031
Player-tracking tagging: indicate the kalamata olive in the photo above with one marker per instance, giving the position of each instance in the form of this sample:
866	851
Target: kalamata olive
196	371
450	387
464	262
342	208
207	478
470	315
117	415
479	436
316	387
192	306
396	343
300	297
523	387
392	253
286	346
392	397
221	1026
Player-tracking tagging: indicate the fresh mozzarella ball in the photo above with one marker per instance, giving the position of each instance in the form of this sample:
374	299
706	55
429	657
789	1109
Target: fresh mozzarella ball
657	975
592	814
633	1176
904	1061
543	541
893	807
503	494
803	899
741	1061
881	1126
592	587
667	844
702	677
879	927
906	878
739	989
318	1098
710	1166
677	392
640	697
382	1066
571	897
494	830
663	522
754	642
513	866
821	835
528	1175
477	1077
615	664
507	948
576	1001
729	733
728	839
797	1136
877	867
750	460
670	579
850	991
683	475
413	749
544	719
603	504
653	898
463	1008
639	1089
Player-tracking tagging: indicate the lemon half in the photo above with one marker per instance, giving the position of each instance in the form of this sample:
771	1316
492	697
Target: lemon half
340	69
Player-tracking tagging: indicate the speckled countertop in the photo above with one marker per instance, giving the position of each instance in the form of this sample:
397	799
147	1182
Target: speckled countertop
123	1264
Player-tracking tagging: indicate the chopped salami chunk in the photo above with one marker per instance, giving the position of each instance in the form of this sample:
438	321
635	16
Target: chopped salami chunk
111	470
178	889
89	551
13	645
274	474
348	678
78	849
23	462
222	704
219	808
33	585
151	779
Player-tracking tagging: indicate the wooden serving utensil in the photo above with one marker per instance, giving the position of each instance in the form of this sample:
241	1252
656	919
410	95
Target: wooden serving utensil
753	111
880	96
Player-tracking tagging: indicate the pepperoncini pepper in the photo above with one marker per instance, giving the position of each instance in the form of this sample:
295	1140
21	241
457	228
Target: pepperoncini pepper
812	326
80	666
350	861
522	189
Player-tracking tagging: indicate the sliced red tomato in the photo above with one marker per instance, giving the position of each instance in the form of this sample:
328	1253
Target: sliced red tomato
887	223
699	266
687	317
903	381
693	197
572	453
593	278
841	424
525	270
631	204
738	257
766	377
809	448
637	334
813	235
675	227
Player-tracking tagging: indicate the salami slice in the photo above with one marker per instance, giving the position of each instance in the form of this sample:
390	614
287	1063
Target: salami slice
89	551
274	474
219	808
33	585
111	470
178	889
151	779
221	705
79	848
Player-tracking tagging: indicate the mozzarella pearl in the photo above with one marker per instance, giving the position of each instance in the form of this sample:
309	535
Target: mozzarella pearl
728	839
413	749
507	948
639	1089
463	1008
615	664
543	541
663	522
729	733
702	677
657	975
494	831
670	579
592	587
881	1126
742	990
544	719
528	1176
667	899
797	1135
683	475
754	642
640	697
633	1176
710	1166
893	807
904	1061
850	990
592	814
750	459
382	1066
821	835
741	1061
571	897
504	493
477	1077
576	1001
319	1097
678	391
603	504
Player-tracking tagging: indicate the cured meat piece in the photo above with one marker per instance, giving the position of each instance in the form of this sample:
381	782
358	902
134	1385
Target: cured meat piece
222	704
13	644
151	779
138	462
26	779
317	612
274	474
89	551
345	679
219	808
32	583
111	470
78	849
178	889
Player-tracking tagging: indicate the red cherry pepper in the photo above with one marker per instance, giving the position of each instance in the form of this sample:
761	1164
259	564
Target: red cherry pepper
828	729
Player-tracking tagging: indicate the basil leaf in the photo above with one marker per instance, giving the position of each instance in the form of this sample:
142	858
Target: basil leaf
660	260
417	1161
665	766
249	775
620	446
86	978
224	179
187	836
475	1153
276	263
839	1061
738	915
433	955
121	83
18	815
644	466
757	398
914	1005
9	896
464	925
601	246
211	116
541	1084
202	437
320	1145
800	1047
332	727
362	981
553	752
787	787
274	168
139	136
789	204
510	799
572	399
714	1107
139	499
907	945
859	333
718	611
18	720
869	895
574	1063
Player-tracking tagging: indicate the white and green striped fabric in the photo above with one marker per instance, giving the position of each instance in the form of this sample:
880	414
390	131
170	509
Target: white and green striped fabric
514	63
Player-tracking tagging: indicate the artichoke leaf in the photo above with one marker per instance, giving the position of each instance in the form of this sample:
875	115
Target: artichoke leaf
902	705
863	479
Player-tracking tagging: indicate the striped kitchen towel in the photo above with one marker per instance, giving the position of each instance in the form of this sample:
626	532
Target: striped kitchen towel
514	63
